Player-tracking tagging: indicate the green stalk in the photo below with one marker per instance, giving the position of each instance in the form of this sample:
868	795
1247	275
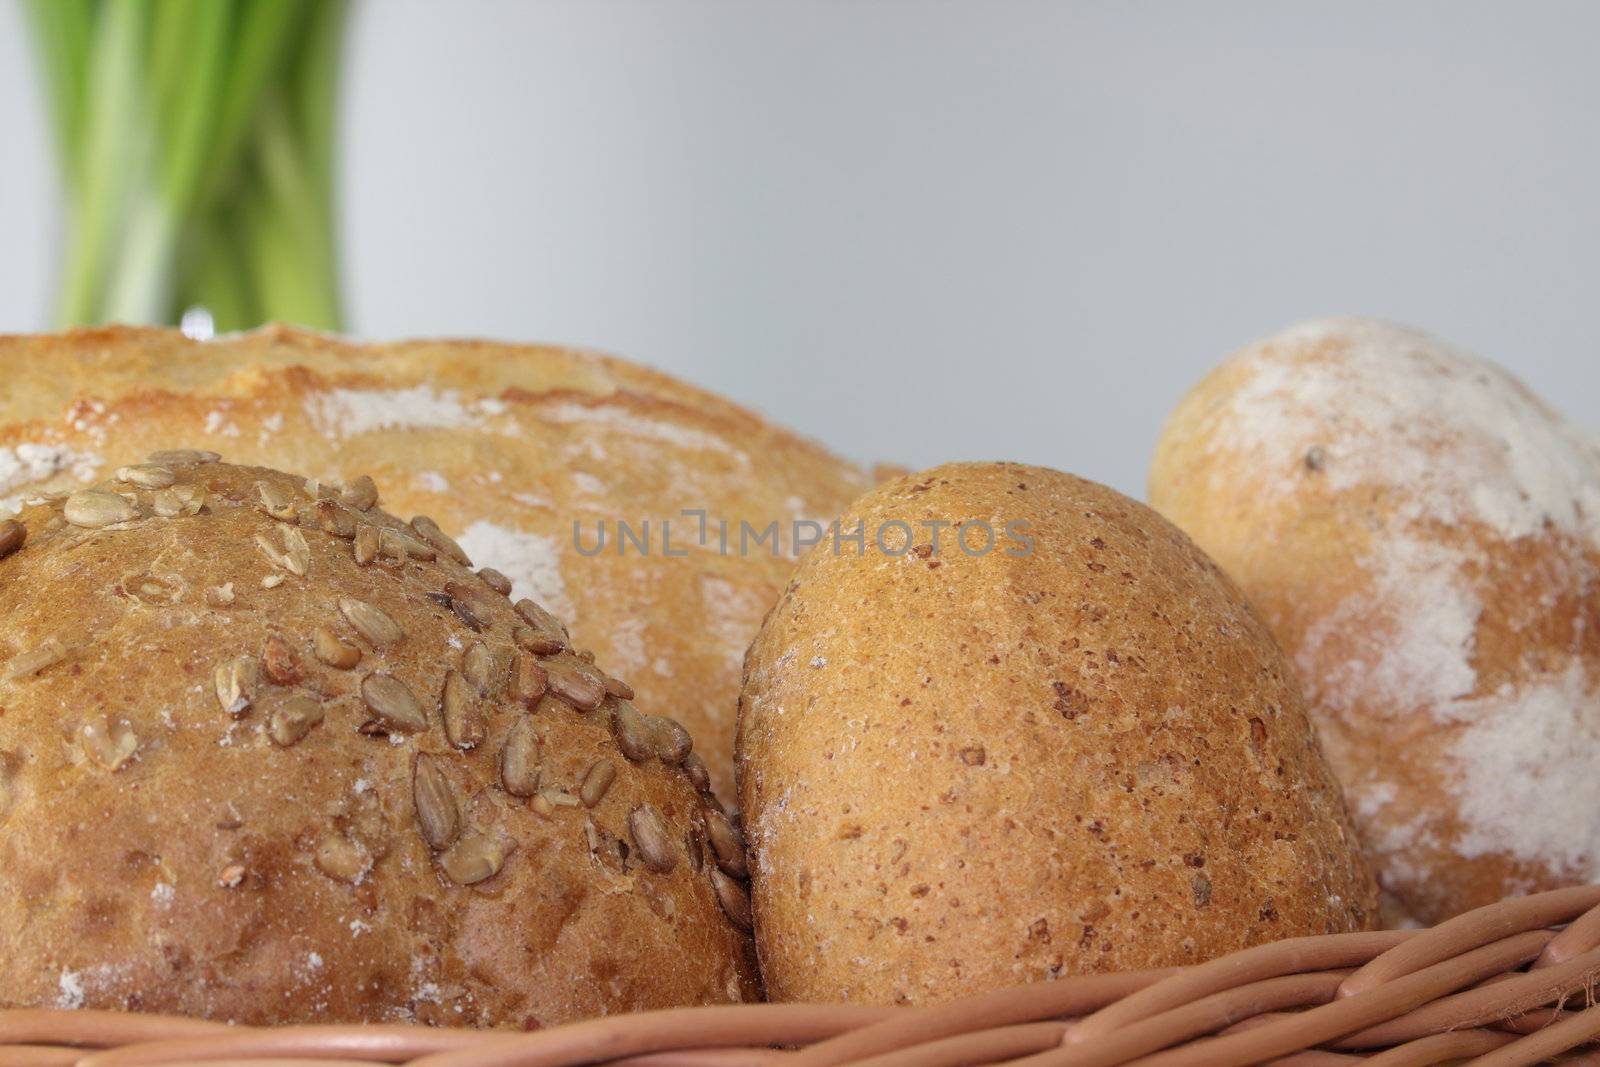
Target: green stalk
64	30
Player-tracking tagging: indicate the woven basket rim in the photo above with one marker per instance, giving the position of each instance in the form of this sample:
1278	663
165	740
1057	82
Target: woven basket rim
1502	986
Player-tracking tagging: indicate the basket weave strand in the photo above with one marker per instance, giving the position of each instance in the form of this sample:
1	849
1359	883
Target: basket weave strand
1504	986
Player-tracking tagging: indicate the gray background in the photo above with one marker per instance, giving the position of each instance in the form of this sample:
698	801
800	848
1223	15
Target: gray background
927	231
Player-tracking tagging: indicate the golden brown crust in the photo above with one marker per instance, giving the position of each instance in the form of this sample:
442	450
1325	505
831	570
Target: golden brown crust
246	775
960	771
1420	532
506	445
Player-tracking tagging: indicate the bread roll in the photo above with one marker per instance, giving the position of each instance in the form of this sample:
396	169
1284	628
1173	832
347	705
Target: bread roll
269	754
505	445
1423	535
1078	753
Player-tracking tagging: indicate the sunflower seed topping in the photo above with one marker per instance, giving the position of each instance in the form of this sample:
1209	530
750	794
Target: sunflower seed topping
231	876
371	622
438	814
341	859
272	581
293	556
332	651
94	508
543	621
733	898
650	837
147	476
50	652
699	777
182	457
632	732
293	719
333	518
392	702
468	607
108	742
476	858
577	686
617	687
476	664
462	712
396	545
727	843
596	781
236	683
528	680
538	642
277	502
220	596
367	541
430	532
12	536
519	760
496	581
361	494
672	742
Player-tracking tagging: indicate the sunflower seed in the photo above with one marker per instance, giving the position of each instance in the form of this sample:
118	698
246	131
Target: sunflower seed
430	532
462	712
272	581
147	476
537	641
93	508
617	687
334	518
672	742
734	900
476	664
231	876
438	814
371	622
528	680
476	857
557	798
468	608
332	651
519	760
108	742
341	859
496	581
541	806
12	536
279	662
220	596
650	836
632	732
396	545
391	700
294	555
317	489
361	494
47	654
366	545
596	781
727	843
699	777
577	686
182	457
540	619
236	683
293	719
277	502
166	504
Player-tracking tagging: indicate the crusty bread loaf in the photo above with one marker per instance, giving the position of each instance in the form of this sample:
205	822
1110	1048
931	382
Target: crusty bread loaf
505	445
269	754
1423	535
964	770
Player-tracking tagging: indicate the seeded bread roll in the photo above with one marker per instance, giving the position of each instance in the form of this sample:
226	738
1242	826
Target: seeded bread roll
506	445
961	770
1423	535
269	754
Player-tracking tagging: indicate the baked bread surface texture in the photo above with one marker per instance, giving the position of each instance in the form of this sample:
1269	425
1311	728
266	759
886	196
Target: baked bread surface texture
507	446
961	771
269	754
1423	535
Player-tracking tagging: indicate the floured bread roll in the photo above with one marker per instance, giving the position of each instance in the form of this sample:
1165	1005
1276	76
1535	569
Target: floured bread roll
269	754
1423	534
505	445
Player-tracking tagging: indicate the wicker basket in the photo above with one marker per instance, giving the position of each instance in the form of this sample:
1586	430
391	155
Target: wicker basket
1502	986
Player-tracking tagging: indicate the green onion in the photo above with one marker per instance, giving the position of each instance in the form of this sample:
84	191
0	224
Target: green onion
195	143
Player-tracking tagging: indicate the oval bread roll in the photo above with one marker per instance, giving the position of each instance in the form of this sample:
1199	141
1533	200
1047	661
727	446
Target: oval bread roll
1423	535
507	445
963	769
269	754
